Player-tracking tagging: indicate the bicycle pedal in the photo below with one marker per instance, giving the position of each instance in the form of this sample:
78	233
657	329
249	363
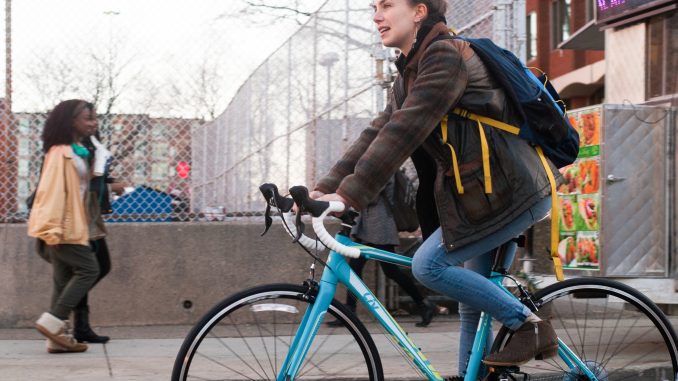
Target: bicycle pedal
507	373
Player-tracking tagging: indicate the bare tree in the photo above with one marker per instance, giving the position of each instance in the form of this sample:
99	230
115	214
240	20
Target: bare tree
51	80
267	11
273	11
202	94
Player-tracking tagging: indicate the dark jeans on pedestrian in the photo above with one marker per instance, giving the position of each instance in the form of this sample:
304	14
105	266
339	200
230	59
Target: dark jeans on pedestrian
104	260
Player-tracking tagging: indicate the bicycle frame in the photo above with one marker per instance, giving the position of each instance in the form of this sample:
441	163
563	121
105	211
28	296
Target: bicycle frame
338	271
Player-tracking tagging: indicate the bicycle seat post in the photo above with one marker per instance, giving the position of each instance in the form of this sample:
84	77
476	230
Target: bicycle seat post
506	253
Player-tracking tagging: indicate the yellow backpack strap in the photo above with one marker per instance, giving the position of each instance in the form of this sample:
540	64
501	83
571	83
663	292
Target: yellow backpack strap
557	264
455	165
485	120
486	159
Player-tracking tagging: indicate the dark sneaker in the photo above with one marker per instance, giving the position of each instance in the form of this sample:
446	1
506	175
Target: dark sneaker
427	309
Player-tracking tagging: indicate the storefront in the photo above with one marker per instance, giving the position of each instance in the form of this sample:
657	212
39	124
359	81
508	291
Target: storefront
618	201
615	203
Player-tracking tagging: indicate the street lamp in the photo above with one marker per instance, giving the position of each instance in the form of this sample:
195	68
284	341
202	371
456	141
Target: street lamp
328	60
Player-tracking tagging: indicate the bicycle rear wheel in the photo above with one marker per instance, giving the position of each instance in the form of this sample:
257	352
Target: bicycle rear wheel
247	337
614	329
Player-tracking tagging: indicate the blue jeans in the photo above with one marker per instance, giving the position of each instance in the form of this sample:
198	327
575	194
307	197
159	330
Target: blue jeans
437	269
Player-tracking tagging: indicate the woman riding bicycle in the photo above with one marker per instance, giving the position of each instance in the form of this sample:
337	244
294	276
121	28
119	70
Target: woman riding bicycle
466	209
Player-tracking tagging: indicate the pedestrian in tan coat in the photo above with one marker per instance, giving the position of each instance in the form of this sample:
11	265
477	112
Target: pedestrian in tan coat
59	218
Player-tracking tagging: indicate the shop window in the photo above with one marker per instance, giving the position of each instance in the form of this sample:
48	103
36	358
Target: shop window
590	10
24	147
159	171
24	126
24	168
560	14
140	149
662	56
160	151
159	130
140	170
531	35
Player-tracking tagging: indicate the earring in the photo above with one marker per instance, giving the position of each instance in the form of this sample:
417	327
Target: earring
416	31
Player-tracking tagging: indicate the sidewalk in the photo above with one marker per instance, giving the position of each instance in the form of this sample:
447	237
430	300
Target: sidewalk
148	353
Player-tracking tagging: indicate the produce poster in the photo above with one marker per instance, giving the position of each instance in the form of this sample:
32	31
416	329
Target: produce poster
579	196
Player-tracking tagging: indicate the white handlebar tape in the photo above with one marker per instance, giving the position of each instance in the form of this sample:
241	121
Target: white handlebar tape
326	238
304	240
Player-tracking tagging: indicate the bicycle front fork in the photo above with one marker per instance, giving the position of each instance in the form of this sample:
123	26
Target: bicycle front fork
308	328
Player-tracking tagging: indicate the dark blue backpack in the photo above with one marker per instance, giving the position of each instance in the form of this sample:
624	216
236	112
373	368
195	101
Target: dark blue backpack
540	110
542	122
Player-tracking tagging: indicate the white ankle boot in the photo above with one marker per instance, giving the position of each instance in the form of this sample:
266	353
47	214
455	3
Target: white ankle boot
54	329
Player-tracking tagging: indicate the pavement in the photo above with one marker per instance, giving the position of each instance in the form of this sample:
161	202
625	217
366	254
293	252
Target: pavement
148	353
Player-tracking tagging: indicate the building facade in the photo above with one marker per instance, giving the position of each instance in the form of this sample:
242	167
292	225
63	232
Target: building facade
641	41
577	74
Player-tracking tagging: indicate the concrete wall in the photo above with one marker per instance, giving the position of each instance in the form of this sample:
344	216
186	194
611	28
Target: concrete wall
155	269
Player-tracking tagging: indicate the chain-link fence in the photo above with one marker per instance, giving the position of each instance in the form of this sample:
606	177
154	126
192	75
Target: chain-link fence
188	148
155	71
307	102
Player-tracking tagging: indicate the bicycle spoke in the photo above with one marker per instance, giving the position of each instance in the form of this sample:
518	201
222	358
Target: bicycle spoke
620	346
586	317
223	344
562	322
615	354
263	342
576	324
226	366
289	344
329	357
602	328
312	355
244	339
613	330
633	361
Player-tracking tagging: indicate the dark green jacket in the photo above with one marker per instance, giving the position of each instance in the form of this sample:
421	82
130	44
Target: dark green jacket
436	78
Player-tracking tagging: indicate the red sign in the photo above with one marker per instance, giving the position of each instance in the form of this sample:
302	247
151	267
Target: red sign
183	169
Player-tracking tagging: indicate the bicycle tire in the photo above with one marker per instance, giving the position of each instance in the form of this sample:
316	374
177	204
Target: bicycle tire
578	309
252	322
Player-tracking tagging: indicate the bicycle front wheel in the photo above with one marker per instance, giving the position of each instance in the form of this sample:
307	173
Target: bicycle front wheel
616	331
247	337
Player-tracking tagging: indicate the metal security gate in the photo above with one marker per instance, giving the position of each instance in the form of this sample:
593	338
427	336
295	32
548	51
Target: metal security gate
636	188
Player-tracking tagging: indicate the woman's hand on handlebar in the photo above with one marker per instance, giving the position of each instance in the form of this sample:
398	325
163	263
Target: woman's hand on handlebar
316	194
313	195
334	197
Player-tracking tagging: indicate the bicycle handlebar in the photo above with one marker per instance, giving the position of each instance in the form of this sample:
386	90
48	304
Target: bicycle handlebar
273	198
326	238
303	239
317	209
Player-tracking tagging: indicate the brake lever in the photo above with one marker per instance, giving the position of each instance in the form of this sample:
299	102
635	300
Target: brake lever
273	198
267	218
300	226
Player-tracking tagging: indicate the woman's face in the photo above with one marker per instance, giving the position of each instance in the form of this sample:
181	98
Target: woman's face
396	21
84	124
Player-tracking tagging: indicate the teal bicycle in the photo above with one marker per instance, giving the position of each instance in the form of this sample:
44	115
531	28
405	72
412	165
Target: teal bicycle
607	330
